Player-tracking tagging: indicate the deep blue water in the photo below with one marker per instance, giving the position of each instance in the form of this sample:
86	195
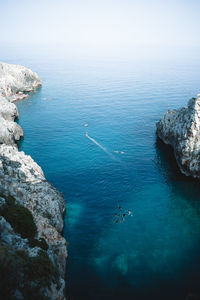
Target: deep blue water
155	254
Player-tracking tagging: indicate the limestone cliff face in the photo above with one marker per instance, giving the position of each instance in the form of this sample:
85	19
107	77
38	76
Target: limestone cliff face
10	132
181	129
15	80
32	249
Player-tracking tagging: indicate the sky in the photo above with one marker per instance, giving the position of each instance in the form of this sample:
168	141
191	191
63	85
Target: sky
132	27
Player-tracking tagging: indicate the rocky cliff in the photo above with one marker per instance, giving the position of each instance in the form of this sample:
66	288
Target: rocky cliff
32	249
16	81
181	129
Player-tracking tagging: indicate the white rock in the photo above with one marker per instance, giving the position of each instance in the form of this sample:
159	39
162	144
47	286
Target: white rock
8	110
23	179
15	79
181	129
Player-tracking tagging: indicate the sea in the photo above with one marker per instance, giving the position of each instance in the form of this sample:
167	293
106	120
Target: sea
132	220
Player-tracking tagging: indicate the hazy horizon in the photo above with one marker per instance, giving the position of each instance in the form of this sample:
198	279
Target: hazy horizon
103	28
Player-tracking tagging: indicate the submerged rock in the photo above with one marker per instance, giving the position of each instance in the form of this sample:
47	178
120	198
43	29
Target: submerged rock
181	129
32	250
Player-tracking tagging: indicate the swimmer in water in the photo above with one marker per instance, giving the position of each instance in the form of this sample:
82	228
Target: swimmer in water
86	134
129	213
122	220
119	207
117	216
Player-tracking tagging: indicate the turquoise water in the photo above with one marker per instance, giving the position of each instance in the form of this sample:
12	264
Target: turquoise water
155	253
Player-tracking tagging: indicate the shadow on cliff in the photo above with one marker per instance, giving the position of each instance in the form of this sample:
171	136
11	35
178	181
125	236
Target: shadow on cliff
21	181
166	164
185	194
19	269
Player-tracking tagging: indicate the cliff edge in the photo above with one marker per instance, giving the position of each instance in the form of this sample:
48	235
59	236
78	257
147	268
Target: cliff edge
32	249
181	129
16	81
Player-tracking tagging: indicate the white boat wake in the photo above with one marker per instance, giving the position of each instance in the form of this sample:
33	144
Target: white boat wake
100	146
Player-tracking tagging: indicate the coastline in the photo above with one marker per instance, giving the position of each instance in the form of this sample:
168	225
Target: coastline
180	129
31	209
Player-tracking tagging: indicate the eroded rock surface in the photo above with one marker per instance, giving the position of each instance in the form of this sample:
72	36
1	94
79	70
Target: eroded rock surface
181	129
15	80
10	132
32	249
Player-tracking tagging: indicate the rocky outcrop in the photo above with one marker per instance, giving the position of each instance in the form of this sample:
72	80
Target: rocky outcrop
32	249
16	80
10	132
181	129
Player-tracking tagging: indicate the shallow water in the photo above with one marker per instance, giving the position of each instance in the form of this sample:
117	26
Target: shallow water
155	253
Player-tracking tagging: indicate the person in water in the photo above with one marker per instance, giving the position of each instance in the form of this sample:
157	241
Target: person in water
129	213
117	218
122	219
126	213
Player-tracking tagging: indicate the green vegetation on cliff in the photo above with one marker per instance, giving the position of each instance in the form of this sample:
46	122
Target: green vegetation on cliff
29	275
21	220
19	217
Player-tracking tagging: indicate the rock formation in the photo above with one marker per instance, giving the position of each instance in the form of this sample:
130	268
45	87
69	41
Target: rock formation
16	80
32	249
181	129
10	132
